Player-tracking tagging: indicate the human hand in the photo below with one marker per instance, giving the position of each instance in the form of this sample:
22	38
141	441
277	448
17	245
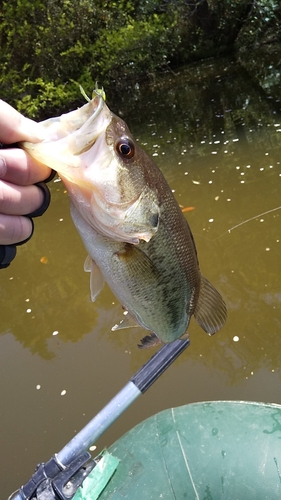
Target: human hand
20	199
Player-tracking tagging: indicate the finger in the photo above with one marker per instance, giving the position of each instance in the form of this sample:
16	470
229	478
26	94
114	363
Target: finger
16	164
19	200
15	127
14	228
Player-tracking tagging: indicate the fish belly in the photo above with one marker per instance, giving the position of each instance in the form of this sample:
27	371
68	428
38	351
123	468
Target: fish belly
152	294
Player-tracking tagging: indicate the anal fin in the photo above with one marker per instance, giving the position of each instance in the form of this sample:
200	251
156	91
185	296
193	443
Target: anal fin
149	341
210	312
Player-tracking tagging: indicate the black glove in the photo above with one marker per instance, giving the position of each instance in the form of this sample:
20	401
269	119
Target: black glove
8	252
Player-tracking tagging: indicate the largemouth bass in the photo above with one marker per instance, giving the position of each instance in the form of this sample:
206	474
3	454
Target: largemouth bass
130	222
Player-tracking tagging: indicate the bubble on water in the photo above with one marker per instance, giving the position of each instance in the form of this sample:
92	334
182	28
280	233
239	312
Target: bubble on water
38	387
55	332
63	393
236	338
28	311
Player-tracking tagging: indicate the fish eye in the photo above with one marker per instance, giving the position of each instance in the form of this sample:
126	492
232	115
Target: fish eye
125	148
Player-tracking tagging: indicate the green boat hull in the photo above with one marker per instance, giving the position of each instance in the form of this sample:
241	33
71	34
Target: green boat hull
207	451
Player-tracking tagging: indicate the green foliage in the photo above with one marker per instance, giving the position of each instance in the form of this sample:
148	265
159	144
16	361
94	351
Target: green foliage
49	47
138	48
40	95
264	25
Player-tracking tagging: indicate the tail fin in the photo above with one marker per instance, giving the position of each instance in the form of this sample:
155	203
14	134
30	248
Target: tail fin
210	312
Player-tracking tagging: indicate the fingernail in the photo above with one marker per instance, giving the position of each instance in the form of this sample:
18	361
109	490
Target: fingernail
33	131
3	167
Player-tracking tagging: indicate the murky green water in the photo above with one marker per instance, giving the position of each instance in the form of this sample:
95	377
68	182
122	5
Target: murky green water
215	131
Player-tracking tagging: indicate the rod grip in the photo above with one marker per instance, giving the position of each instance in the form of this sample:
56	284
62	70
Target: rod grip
163	358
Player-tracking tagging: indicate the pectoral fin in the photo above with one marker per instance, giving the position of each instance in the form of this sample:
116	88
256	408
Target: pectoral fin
210	312
141	279
96	278
137	266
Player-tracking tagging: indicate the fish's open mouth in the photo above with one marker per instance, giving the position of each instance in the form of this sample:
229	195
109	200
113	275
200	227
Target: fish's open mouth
75	122
70	135
93	126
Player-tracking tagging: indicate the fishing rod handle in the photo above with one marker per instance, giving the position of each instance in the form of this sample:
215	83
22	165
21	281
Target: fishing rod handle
163	358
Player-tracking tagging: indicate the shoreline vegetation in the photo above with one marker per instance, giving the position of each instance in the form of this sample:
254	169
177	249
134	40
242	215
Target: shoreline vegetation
50	48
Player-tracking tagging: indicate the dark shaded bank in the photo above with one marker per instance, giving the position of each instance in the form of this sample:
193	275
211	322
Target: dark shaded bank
204	99
48	48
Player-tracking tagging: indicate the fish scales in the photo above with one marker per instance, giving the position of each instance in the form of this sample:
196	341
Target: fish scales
130	222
